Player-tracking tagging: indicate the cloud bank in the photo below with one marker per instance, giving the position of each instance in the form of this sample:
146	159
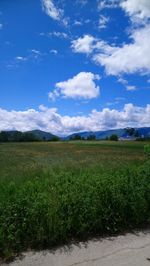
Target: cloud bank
49	119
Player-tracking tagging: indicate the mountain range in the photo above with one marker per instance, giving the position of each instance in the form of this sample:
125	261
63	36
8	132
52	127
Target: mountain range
126	133
121	133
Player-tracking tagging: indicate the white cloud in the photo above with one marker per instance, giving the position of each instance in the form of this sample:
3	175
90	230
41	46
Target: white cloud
129	58
53	51
136	9
56	34
37	52
81	86
21	58
78	23
102	4
103	20
83	44
50	120
122	81
1	26
51	10
131	88
89	44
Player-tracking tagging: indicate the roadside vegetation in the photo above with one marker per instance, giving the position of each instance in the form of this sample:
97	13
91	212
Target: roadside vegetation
52	193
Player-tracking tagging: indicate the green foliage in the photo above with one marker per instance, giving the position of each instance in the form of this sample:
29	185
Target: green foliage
132	132
113	137
75	137
3	136
91	137
17	136
147	149
45	206
54	138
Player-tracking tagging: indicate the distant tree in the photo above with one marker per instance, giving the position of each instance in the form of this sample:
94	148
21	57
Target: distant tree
113	137
91	137
17	136
75	137
130	131
54	138
27	136
3	136
136	134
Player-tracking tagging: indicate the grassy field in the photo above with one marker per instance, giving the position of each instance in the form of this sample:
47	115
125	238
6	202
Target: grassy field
51	193
19	158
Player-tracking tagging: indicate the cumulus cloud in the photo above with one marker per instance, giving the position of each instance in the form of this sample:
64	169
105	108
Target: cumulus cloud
129	58
89	44
138	10
48	119
81	86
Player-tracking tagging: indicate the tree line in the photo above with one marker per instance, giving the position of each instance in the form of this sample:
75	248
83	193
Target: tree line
17	136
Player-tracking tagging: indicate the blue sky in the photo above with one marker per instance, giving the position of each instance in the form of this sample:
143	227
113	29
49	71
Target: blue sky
69	66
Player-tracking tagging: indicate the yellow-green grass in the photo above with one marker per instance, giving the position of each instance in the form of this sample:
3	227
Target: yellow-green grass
16	158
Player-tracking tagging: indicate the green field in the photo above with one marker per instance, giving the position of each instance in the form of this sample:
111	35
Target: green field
51	193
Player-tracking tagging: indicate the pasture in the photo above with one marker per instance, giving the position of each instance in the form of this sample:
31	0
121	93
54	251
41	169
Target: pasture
53	192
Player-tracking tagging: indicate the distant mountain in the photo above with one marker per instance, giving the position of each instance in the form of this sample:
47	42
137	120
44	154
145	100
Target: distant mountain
42	135
126	133
121	133
145	131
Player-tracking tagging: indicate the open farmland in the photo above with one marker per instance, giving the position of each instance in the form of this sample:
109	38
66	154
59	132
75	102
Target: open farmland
51	193
19	158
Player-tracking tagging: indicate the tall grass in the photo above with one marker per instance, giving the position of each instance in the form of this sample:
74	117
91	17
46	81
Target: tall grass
53	207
